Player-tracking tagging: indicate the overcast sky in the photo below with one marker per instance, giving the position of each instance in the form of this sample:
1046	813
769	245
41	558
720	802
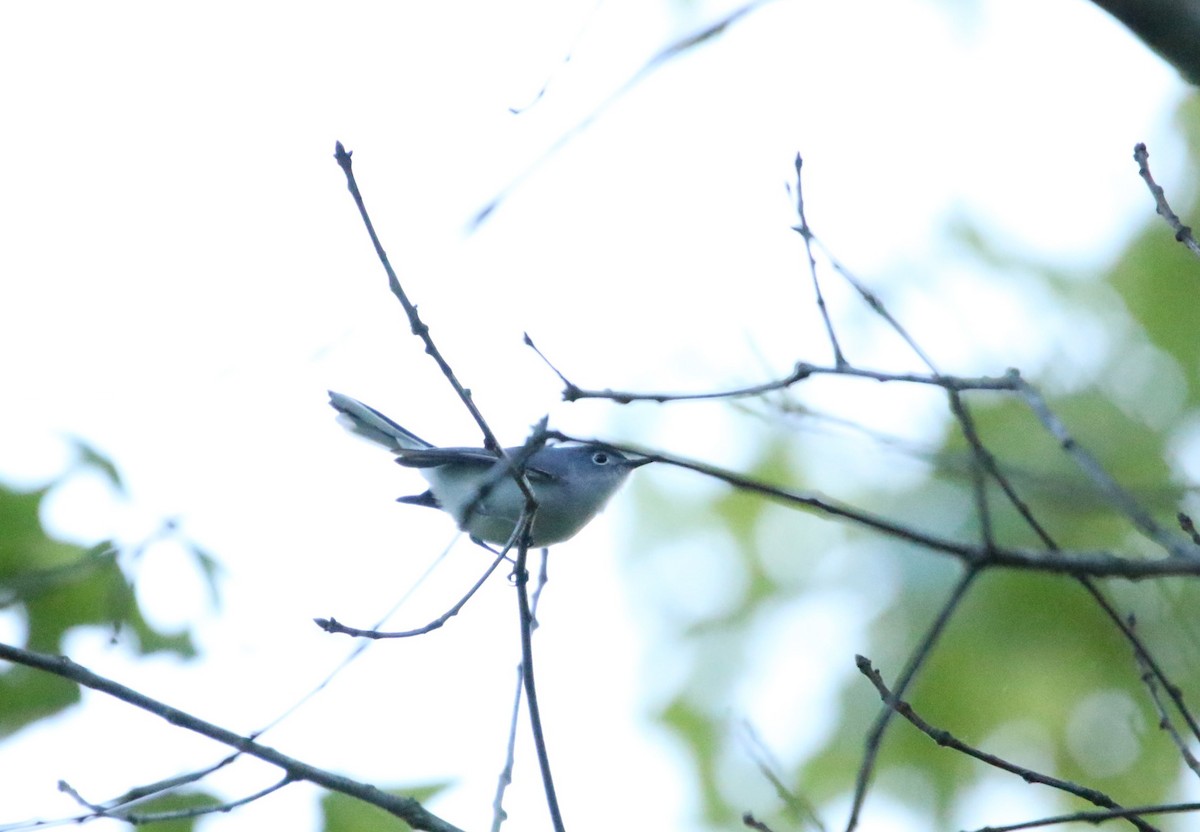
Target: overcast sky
185	276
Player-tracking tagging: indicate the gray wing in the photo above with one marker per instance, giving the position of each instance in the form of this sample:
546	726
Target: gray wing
435	457
464	458
370	424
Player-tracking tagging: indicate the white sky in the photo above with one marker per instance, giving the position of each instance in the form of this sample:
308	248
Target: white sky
185	275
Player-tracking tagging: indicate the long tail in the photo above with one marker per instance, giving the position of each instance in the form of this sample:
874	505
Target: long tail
369	423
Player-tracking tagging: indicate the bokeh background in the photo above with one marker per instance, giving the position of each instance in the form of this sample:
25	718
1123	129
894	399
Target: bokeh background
185	276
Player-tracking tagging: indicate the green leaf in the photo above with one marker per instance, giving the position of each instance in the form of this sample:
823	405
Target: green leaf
27	695
210	568
89	457
343	813
55	586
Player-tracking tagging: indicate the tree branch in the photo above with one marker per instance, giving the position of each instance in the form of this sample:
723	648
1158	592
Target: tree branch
944	738
1183	233
405	808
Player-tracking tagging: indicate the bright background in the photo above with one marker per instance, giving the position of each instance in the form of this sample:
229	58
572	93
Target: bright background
185	275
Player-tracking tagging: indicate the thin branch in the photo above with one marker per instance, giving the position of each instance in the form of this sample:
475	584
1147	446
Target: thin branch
1183	233
512	467
421	330
200	811
527	674
1173	543
982	465
947	740
1141	652
805	232
801	808
1097	817
406	808
505	779
332	625
1153	675
566	59
877	306
1143	655
1094	563
1150	680
1117	496
664	55
142	791
915	662
800	372
418	327
134	796
358	650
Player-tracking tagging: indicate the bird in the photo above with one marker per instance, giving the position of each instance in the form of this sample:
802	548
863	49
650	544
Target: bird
571	482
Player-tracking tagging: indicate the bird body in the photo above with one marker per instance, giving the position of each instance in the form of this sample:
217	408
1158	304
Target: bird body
571	483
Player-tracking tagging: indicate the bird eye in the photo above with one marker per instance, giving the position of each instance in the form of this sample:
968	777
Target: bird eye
600	457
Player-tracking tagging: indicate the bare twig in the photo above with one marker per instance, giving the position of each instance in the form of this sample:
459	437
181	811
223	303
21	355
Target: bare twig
138	794
664	55
1141	652
1097	817
1174	544
511	467
358	650
946	739
505	779
1095	563
1183	233
421	330
983	464
139	819
802	228
1150	680
531	700
418	327
1183	555
1144	657
566	59
406	808
801	808
877	306
1109	488
801	371
332	625
915	662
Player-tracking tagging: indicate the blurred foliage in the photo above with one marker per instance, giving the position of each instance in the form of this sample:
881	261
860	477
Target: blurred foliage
342	813
1170	27
1025	655
53	587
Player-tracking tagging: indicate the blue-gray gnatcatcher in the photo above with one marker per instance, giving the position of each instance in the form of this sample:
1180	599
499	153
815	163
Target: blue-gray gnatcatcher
571	482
